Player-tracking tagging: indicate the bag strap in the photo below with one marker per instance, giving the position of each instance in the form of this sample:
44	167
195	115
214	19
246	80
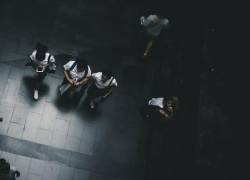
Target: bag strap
73	66
49	57
111	82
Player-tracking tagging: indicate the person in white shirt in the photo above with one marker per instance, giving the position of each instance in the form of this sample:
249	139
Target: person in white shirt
161	108
43	62
102	86
153	26
77	74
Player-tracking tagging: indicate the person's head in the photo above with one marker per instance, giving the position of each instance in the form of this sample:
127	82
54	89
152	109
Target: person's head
41	51
106	74
172	103
81	65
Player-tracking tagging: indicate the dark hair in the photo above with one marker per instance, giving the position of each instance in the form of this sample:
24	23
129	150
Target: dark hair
107	72
82	63
41	51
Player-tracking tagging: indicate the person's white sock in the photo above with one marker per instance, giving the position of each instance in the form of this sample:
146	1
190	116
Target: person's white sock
35	94
92	104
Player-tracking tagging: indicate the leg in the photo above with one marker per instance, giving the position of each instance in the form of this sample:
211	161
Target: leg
93	93
38	81
81	91
149	46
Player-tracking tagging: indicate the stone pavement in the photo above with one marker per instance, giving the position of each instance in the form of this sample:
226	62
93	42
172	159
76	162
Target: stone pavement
100	145
52	139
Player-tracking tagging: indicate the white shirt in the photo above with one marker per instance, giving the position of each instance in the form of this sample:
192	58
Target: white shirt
44	62
74	74
153	24
156	102
100	84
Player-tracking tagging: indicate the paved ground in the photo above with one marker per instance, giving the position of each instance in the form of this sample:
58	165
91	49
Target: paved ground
105	141
51	139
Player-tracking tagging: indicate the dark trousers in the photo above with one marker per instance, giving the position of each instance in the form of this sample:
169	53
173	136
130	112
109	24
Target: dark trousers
39	78
95	92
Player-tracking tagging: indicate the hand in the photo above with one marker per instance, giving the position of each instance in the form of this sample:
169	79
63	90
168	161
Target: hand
163	113
71	82
76	83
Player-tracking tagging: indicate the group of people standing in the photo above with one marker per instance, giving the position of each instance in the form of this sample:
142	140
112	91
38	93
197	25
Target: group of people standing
77	76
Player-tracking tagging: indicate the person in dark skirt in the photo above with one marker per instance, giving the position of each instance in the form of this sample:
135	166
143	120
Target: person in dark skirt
153	25
43	62
102	86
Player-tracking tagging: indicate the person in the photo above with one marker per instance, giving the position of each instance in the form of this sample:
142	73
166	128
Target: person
153	26
161	109
102	86
77	74
43	62
8	172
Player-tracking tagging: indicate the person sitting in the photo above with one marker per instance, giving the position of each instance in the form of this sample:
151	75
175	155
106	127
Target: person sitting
102	86
43	62
77	73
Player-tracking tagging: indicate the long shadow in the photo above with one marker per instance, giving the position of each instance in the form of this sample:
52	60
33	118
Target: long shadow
29	83
83	111
66	103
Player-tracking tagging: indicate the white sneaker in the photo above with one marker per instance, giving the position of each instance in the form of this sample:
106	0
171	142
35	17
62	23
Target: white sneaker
92	104
35	94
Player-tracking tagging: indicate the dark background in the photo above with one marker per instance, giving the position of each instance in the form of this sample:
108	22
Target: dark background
196	144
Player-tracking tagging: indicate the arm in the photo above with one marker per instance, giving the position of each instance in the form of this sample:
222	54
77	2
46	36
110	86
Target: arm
84	81
68	77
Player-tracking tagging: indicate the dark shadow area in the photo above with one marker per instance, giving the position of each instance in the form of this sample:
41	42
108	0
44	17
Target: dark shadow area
84	110
29	83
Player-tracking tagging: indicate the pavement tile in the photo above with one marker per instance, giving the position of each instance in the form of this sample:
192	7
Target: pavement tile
9	157
31	176
15	130
37	167
43	136
58	139
75	130
29	134
20	114
33	120
22	164
80	174
61	126
72	144
51	171
66	173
